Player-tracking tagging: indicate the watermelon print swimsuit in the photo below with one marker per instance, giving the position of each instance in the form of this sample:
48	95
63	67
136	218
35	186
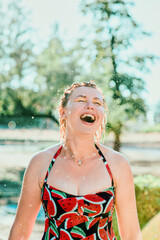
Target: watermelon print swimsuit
68	216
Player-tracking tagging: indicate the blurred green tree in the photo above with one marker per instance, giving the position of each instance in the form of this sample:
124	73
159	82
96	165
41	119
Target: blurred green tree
17	58
111	53
157	113
30	83
57	68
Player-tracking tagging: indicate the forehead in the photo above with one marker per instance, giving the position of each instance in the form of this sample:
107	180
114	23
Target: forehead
86	91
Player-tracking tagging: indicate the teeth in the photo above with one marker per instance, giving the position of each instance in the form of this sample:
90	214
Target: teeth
88	115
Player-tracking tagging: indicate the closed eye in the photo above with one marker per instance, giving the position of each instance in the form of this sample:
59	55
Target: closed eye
80	100
98	103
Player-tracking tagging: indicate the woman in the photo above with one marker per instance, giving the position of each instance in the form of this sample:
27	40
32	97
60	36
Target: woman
79	182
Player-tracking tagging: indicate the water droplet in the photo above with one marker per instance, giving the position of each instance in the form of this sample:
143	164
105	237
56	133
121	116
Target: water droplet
30	205
12	125
32	117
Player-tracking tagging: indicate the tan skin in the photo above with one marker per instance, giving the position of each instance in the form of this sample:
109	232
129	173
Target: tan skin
67	176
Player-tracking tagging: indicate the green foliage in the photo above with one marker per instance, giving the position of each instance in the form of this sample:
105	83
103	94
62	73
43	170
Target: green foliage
17	60
157	113
16	48
32	84
114	32
115	226
147	188
155	128
115	118
48	75
56	69
148	197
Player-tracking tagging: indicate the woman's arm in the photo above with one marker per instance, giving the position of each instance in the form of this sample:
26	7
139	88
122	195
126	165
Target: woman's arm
125	202
29	203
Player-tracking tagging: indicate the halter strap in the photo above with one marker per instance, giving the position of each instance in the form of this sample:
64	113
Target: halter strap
106	164
58	152
52	162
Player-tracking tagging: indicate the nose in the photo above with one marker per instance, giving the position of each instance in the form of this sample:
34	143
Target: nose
89	105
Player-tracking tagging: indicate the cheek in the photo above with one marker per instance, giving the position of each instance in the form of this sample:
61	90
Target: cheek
72	112
101	116
69	113
101	113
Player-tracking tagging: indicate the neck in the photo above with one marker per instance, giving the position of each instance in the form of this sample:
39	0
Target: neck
80	148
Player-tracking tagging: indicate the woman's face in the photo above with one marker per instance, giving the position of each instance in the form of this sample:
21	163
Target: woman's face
84	111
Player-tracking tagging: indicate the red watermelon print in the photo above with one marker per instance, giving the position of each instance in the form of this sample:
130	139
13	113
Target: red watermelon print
46	224
91	222
77	232
51	208
109	205
93	209
71	217
94	198
46	194
68	204
73	221
58	194
51	232
102	234
103	222
67	215
64	217
64	235
91	237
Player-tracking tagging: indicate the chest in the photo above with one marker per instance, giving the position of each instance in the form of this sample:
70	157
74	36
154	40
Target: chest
79	180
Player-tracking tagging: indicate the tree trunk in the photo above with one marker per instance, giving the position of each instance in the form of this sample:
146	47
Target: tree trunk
117	143
117	132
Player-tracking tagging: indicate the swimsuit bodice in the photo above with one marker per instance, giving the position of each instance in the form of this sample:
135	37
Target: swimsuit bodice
69	216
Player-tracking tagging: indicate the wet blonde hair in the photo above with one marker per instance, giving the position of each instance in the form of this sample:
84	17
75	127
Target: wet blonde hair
64	100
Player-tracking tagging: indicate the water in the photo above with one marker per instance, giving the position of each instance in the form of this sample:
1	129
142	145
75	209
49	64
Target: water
10	209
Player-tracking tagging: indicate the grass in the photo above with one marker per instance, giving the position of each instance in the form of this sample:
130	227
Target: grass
148	129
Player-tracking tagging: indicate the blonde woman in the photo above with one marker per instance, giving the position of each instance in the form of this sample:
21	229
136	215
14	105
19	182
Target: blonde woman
79	181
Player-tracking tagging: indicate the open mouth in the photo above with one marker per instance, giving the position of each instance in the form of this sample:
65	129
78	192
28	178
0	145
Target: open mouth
88	118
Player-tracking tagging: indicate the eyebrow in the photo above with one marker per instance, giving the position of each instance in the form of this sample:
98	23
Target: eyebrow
83	96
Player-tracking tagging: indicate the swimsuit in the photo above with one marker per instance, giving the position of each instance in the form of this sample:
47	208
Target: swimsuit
68	216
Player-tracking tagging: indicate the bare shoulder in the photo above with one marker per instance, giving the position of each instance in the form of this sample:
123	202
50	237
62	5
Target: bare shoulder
45	155
113	156
40	161
118	163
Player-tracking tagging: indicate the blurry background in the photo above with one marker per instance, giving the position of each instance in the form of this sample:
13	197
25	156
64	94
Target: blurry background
46	46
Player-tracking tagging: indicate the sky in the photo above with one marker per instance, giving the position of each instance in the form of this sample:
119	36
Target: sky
67	14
